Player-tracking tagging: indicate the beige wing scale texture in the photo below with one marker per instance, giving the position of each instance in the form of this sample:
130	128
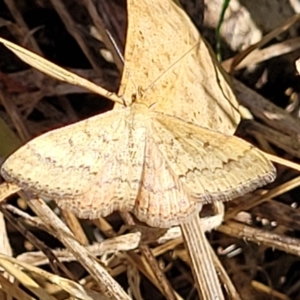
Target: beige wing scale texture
179	75
157	166
210	165
163	200
86	167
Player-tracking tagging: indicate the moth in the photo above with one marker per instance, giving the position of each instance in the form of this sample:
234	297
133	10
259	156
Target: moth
165	150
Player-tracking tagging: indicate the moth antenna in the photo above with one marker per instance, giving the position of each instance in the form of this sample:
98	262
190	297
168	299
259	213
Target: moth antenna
170	67
159	77
117	49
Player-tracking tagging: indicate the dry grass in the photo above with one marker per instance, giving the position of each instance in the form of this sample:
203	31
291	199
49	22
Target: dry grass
258	245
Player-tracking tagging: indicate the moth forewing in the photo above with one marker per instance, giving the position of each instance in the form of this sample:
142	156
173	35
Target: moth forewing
211	165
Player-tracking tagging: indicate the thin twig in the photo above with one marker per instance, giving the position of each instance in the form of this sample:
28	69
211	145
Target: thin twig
205	275
146	252
106	283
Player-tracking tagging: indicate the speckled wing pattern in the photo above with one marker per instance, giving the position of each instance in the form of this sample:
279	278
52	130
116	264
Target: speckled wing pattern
168	58
142	158
157	166
211	165
87	167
